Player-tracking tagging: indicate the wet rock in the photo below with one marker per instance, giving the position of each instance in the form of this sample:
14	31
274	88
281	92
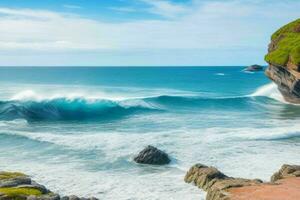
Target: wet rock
45	197
15	182
153	156
73	197
286	171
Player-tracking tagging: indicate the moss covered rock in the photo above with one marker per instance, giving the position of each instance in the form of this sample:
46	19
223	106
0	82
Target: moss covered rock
285	46
18	186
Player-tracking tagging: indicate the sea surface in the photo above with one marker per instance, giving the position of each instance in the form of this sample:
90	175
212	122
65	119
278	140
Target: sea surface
76	130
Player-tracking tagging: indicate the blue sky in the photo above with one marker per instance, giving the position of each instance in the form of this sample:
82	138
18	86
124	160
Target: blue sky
139	32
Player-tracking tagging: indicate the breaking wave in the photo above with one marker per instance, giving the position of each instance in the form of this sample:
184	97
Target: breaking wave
70	109
35	108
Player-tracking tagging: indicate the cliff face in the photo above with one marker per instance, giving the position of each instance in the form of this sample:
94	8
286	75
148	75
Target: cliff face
284	61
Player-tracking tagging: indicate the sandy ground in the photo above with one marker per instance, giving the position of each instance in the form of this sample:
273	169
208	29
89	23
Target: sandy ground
286	189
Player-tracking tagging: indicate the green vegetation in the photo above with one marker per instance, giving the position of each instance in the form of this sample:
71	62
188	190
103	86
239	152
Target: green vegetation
17	193
286	43
10	175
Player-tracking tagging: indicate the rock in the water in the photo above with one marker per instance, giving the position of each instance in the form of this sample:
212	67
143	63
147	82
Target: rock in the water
286	171
214	182
254	68
153	156
284	61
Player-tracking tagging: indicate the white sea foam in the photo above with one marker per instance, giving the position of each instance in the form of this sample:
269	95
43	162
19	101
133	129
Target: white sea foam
269	90
219	74
89	93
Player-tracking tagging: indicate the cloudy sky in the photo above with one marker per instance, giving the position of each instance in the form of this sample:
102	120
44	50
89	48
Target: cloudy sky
139	32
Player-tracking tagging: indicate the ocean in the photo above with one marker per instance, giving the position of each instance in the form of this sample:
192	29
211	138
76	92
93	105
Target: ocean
77	129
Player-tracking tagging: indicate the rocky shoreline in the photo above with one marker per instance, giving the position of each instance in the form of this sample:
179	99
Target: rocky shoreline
218	186
19	186
284	183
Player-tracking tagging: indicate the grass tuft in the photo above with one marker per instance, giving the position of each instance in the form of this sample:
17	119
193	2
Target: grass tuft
14	193
10	175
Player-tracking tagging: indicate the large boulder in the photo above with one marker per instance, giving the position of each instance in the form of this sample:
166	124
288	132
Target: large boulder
284	61
286	171
153	156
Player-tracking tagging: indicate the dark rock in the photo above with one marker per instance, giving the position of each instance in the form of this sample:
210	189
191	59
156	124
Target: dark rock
254	68
286	171
73	197
153	156
15	182
50	196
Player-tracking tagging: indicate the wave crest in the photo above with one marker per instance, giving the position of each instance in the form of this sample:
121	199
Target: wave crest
70	109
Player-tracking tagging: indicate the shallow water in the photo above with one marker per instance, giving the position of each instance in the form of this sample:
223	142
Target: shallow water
76	130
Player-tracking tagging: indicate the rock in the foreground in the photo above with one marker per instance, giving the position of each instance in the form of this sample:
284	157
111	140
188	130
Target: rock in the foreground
214	182
285	184
18	186
152	156
286	171
284	61
254	68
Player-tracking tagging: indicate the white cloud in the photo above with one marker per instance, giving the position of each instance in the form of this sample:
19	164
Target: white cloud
70	6
123	9
211	25
166	8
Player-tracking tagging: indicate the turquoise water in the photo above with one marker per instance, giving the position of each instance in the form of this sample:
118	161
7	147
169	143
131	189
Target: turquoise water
76	130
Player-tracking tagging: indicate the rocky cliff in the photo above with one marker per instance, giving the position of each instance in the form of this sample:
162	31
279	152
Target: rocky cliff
284	61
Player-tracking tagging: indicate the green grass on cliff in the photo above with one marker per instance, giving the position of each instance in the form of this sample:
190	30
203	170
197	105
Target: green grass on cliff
10	175
16	193
287	45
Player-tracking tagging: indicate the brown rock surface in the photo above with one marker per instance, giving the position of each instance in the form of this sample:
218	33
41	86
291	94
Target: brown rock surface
215	182
286	171
285	184
285	189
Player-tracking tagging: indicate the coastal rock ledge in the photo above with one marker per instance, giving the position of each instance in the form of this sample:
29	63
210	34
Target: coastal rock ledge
18	186
214	182
284	61
285	184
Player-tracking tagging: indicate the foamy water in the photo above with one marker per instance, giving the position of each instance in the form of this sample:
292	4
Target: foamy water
79	136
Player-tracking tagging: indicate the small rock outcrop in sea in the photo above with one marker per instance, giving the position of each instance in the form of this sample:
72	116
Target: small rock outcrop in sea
284	61
286	171
214	182
153	156
18	186
254	68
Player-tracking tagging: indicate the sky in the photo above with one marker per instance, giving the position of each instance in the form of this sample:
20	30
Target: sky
140	32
